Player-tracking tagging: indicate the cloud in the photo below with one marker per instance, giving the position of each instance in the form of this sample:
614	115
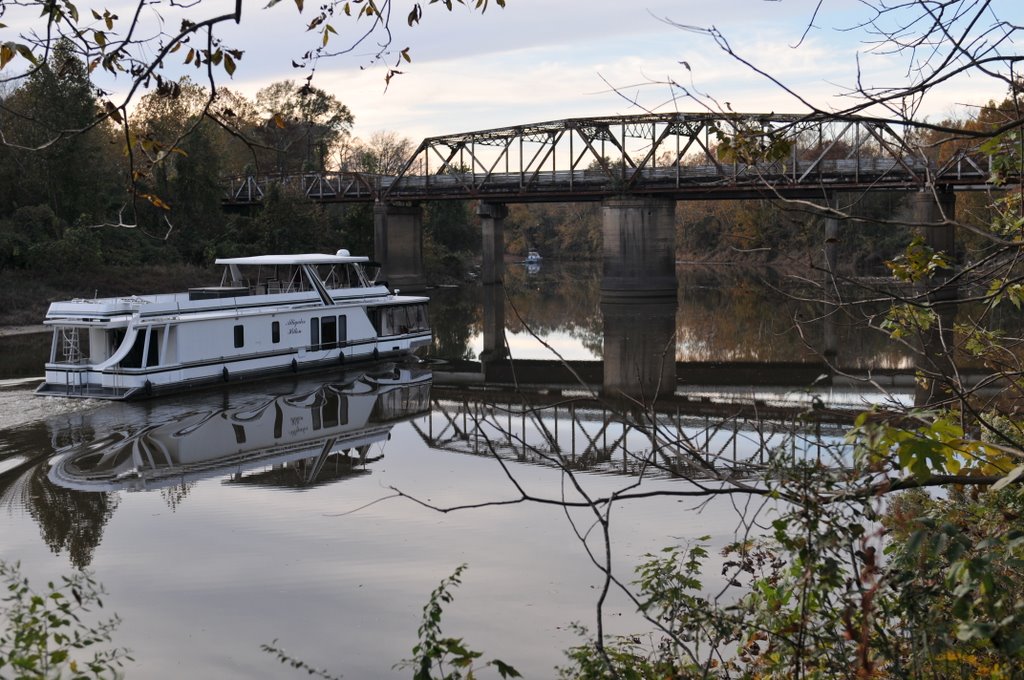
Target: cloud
540	60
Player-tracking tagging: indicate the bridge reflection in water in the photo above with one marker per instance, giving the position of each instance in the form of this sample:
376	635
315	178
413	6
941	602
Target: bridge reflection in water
636	411
692	439
640	406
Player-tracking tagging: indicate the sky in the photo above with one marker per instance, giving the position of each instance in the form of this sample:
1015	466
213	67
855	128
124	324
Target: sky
540	60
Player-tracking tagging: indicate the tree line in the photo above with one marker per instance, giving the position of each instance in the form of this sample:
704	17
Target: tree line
79	190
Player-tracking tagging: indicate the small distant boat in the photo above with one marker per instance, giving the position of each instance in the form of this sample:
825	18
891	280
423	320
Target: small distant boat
269	314
533	257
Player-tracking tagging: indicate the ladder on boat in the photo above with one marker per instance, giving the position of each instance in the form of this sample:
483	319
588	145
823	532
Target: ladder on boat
71	347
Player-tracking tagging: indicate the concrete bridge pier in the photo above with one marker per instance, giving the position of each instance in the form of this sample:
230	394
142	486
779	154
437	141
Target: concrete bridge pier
934	209
935	364
398	244
639	346
492	220
831	238
829	340
494	323
639	237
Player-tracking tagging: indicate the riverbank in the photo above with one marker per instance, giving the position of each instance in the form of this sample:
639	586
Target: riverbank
8	331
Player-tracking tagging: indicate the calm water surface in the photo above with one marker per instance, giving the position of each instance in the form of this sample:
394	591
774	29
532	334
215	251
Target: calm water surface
295	510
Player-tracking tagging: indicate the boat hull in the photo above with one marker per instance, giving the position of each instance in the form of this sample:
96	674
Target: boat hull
90	384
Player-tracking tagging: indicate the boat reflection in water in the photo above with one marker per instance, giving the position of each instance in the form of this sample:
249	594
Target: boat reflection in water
316	434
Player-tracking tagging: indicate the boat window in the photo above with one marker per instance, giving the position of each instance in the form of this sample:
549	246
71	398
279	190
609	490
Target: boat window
418	317
296	282
342	276
402	403
331	411
334	278
134	357
114	340
275	332
371	270
70	345
314	330
278	420
153	353
342	328
402	319
239	335
329	331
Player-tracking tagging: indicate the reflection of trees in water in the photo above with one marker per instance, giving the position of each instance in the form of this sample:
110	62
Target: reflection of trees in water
725	314
68	520
731	314
745	314
563	298
174	495
454	315
760	315
560	298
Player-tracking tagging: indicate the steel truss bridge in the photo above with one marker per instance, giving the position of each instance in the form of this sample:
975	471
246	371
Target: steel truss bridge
674	155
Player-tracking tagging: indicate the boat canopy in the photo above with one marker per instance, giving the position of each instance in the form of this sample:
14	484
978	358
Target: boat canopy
308	258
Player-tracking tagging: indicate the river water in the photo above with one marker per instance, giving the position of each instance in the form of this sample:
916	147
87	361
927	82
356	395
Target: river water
308	510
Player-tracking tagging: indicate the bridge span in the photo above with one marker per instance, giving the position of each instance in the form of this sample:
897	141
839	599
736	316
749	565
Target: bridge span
639	166
674	155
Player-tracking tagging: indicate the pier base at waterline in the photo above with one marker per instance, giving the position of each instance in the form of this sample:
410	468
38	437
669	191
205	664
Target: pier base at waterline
494	323
639	236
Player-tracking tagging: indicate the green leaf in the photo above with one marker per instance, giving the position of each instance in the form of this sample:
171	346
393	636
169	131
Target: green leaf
25	52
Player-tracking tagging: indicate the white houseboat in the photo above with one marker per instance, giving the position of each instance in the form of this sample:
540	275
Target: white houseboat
269	314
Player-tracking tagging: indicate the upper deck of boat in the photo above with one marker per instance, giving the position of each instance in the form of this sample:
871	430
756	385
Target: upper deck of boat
253	283
198	300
